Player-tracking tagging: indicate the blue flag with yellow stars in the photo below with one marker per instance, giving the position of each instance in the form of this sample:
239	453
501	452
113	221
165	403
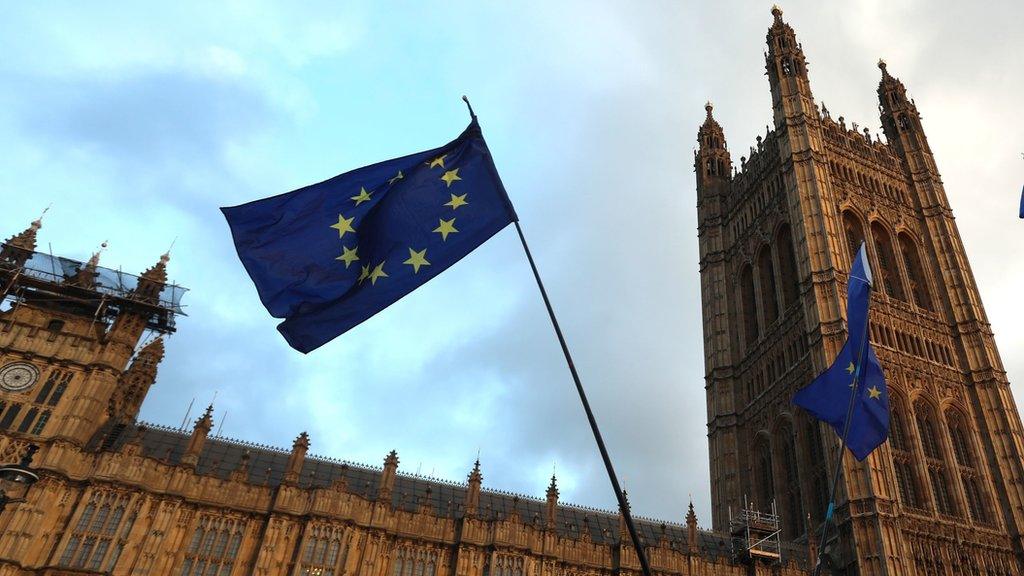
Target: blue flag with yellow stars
855	371
328	256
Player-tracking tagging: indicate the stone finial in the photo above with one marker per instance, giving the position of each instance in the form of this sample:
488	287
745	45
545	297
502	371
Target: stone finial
691	527
387	479
197	440
777	13
473	492
709	107
551	507
296	459
86	275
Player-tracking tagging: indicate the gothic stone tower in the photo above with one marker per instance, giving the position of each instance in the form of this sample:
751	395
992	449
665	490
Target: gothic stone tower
777	237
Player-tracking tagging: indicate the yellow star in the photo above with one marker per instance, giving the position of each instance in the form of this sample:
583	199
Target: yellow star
445	228
849	369
348	256
396	178
874	393
417	259
457	201
343	225
364	274
378	272
439	161
451	176
363	196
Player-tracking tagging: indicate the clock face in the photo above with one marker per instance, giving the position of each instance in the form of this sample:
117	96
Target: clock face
18	376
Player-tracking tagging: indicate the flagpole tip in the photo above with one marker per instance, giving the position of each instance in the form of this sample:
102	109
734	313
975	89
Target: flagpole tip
470	106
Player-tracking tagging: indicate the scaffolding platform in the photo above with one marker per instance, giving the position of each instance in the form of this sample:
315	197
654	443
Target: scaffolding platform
756	534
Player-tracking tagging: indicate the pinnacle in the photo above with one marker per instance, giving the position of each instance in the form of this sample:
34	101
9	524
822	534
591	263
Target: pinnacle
158	272
26	240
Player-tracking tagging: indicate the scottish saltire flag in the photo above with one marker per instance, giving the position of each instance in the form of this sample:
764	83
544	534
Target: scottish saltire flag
856	366
328	256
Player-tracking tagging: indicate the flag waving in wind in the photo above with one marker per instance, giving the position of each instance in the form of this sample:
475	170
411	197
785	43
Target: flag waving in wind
329	256
855	371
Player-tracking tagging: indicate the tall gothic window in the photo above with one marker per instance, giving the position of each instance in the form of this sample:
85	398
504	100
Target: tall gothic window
750	328
819	482
793	512
413	561
765	477
912	261
854	234
787	266
325	551
906	479
927	429
99	533
766	270
887	267
507	565
959	437
213	547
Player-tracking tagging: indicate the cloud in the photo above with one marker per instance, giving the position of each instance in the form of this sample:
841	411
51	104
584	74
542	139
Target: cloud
591	110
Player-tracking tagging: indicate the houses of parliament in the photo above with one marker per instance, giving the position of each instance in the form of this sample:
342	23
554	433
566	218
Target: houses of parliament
81	345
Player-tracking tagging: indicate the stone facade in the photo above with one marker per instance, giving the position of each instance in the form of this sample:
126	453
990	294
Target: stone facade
777	237
119	497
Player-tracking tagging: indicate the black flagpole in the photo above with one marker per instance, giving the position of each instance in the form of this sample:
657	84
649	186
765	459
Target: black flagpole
861	356
623	504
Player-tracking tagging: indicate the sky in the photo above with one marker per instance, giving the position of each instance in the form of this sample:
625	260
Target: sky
137	124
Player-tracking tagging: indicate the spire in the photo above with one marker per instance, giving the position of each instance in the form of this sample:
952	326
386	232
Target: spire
135	382
200	431
296	459
473	493
551	508
86	275
18	248
691	526
152	281
387	479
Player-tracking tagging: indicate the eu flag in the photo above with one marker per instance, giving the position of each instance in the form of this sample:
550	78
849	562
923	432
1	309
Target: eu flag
328	256
856	372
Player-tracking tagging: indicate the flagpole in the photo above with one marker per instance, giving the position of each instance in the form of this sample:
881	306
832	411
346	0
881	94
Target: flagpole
842	445
619	495
623	505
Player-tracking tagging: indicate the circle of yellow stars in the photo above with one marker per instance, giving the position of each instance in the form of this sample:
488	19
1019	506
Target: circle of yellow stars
417	258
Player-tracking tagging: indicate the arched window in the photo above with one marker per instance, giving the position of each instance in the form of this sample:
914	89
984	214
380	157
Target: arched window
927	428
792	513
854	234
787	266
819	483
904	122
747	294
912	261
766	269
959	436
906	479
765	478
888	273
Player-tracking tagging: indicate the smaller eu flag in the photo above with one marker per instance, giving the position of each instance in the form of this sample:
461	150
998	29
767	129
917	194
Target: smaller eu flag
855	371
329	256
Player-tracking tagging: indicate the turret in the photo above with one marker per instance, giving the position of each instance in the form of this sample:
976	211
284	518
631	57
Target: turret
152	281
473	493
130	324
134	383
200	431
18	248
712	163
787	73
551	508
902	125
86	275
295	460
